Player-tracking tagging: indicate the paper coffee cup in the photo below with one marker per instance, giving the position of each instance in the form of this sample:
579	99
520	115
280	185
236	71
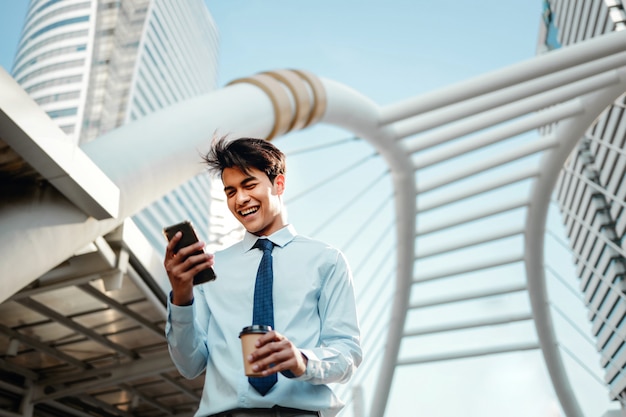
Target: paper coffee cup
249	335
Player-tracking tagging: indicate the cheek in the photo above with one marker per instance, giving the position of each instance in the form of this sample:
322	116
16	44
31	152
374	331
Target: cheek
275	205
231	205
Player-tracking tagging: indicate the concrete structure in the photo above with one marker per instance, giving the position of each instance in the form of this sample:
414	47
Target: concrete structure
95	65
73	347
591	191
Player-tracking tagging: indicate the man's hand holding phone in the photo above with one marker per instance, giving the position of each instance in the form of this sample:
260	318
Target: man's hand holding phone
185	262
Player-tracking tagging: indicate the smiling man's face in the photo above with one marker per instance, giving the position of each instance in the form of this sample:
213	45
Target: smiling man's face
254	200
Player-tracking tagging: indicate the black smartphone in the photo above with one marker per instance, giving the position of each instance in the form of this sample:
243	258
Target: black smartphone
189	237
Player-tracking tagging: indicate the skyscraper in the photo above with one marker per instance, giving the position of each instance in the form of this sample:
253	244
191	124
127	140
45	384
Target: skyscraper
95	65
26	323
592	192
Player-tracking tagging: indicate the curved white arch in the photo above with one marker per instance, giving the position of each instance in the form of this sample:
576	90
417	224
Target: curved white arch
365	122
157	159
568	134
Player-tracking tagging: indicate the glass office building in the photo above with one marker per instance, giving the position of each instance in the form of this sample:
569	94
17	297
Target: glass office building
95	65
591	192
452	284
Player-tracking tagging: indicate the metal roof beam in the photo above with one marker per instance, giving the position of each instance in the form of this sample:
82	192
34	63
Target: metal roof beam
151	401
97	337
99	295
173	382
69	411
42	347
95	402
16	369
102	377
4	413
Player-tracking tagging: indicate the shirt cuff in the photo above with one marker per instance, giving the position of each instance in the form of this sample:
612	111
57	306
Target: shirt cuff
182	305
312	363
180	314
291	375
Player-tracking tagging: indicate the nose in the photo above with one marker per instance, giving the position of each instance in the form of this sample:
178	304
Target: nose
242	197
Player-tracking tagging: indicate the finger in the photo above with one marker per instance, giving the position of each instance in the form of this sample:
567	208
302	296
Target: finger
200	267
183	269
287	365
269	337
195	263
278	361
270	352
191	249
169	251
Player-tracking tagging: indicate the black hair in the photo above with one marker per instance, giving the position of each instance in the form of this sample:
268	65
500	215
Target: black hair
244	154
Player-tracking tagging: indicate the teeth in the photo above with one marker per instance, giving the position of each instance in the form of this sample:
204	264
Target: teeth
248	211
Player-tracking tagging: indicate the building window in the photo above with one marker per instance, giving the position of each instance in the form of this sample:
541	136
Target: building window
59	24
51	68
56	81
50	54
48	41
62	112
58	97
48	16
552	32
68	129
46	5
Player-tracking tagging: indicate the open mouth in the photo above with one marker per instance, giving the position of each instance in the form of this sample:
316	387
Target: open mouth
248	211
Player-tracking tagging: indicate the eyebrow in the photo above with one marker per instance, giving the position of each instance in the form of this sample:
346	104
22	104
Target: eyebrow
244	182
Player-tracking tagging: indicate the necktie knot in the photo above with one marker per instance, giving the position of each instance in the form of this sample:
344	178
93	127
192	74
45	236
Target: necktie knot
265	245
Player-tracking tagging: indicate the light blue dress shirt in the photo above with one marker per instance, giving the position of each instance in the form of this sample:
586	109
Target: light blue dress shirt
314	307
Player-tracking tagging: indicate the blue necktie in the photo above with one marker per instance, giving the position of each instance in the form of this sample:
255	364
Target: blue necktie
263	311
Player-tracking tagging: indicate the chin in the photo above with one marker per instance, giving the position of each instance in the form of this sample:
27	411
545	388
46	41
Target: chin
255	230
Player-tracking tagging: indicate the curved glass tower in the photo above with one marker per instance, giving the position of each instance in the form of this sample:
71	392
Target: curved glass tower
451	265
97	64
53	59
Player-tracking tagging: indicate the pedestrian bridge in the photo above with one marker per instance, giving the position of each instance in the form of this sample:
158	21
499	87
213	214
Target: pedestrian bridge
469	182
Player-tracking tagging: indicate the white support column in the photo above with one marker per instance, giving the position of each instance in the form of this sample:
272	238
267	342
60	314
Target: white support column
351	110
27	407
568	132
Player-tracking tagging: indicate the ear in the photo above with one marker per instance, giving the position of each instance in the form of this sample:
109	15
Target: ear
279	184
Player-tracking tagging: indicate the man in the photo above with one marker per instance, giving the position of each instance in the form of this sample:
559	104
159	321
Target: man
316	341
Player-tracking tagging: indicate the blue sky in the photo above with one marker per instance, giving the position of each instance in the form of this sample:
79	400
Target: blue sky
388	50
11	18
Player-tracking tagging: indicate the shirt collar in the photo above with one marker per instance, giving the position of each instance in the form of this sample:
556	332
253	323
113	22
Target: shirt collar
280	237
